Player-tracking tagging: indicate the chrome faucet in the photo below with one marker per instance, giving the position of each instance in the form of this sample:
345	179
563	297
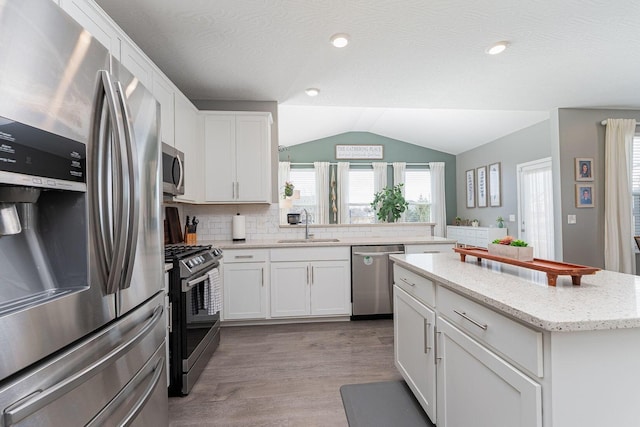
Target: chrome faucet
306	225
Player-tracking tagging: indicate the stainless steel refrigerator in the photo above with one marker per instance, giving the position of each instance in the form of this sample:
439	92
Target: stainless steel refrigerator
81	280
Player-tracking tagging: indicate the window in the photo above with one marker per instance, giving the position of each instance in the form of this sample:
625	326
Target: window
635	185
417	191
304	180
360	196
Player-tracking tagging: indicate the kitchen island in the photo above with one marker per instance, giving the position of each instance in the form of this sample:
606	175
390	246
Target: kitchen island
489	344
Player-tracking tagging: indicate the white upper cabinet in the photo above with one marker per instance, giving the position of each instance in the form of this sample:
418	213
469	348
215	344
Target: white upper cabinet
135	61
238	157
164	93
189	134
94	20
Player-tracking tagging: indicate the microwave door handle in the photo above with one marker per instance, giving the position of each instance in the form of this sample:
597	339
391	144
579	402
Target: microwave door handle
181	167
131	216
101	213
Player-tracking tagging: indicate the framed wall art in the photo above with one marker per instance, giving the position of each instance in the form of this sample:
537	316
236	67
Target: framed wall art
495	196
481	173
471	188
584	169
584	196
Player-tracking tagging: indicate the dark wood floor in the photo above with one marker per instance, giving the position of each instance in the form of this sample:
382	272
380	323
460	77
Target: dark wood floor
286	375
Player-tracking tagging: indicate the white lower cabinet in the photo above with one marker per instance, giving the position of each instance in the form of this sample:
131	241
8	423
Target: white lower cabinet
478	388
414	348
245	283
317	282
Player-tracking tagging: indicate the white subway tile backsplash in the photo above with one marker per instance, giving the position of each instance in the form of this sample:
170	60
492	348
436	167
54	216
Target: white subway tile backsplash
262	223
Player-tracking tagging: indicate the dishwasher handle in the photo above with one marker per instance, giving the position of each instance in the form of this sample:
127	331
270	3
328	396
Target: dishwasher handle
375	254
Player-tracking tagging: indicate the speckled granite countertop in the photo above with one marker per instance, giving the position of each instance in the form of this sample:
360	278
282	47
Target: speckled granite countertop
348	241
605	300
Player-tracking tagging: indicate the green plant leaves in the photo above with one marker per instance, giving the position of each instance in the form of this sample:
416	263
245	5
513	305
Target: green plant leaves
389	203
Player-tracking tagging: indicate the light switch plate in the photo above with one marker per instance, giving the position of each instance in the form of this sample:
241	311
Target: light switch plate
571	219
512	218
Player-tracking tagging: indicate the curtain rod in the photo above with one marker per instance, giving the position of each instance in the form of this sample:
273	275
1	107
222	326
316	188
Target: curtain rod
604	122
362	163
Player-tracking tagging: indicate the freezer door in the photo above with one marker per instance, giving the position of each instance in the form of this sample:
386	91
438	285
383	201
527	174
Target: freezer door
144	267
116	377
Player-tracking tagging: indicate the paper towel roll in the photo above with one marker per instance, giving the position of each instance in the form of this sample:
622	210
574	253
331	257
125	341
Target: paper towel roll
238	232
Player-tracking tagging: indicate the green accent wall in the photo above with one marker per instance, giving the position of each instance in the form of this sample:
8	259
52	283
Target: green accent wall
324	150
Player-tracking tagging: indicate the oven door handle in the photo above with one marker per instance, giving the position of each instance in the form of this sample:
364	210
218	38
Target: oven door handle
186	287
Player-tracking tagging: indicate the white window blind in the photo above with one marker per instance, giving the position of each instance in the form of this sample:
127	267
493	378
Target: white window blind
361	192
417	191
304	180
635	185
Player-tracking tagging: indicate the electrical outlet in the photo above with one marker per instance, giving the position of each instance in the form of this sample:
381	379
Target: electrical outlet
512	218
571	219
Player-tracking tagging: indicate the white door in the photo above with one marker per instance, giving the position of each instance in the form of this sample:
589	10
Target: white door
535	207
244	291
330	288
478	388
290	283
414	348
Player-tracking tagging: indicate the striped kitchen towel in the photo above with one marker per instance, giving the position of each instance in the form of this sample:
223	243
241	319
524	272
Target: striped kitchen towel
213	292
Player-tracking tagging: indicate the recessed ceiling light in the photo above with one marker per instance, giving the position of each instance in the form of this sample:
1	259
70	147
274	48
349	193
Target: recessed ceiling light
340	40
497	48
312	91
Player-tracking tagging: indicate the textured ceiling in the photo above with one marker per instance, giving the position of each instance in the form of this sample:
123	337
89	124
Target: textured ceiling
415	70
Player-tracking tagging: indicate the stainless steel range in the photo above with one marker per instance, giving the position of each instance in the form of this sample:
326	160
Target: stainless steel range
195	301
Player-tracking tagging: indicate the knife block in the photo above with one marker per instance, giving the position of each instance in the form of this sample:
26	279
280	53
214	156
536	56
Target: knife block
190	238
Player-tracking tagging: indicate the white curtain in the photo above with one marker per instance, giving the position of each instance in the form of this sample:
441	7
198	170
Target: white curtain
618	231
399	169
322	192
379	178
283	176
537	208
343	193
438	198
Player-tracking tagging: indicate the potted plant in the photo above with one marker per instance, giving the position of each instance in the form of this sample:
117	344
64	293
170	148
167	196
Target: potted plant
475	223
389	203
500	222
511	248
458	220
288	189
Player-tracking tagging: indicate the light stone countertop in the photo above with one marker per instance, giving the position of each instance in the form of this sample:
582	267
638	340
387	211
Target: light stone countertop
347	241
605	300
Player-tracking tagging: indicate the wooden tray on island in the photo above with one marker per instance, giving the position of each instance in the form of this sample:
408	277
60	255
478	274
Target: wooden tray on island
552	268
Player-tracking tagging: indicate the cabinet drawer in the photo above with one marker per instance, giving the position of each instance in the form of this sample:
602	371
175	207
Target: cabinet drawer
417	286
244	255
515	341
428	248
311	254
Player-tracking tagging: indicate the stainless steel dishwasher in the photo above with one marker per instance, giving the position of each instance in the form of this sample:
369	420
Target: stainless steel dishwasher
372	280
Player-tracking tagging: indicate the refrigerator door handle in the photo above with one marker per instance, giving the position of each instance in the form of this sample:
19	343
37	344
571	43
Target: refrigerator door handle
26	407
131	198
106	219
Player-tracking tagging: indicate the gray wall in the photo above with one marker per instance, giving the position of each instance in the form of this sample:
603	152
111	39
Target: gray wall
323	150
526	145
267	106
580	134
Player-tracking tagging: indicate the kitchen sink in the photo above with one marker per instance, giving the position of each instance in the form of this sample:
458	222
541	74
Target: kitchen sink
308	240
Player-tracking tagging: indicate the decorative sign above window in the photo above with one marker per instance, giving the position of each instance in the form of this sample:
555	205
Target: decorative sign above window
359	152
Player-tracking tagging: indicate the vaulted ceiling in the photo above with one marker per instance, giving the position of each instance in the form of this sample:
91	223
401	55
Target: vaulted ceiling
414	70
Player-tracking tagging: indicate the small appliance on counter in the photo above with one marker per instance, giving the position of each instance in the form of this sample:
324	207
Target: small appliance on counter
238	228
293	218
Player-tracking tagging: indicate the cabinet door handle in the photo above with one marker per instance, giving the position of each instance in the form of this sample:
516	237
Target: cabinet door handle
307	274
427	326
475	322
237	190
312	274
407	282
436	336
233	190
243	256
262	273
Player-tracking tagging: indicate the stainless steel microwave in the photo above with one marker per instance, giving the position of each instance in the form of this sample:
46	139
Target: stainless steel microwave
172	170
